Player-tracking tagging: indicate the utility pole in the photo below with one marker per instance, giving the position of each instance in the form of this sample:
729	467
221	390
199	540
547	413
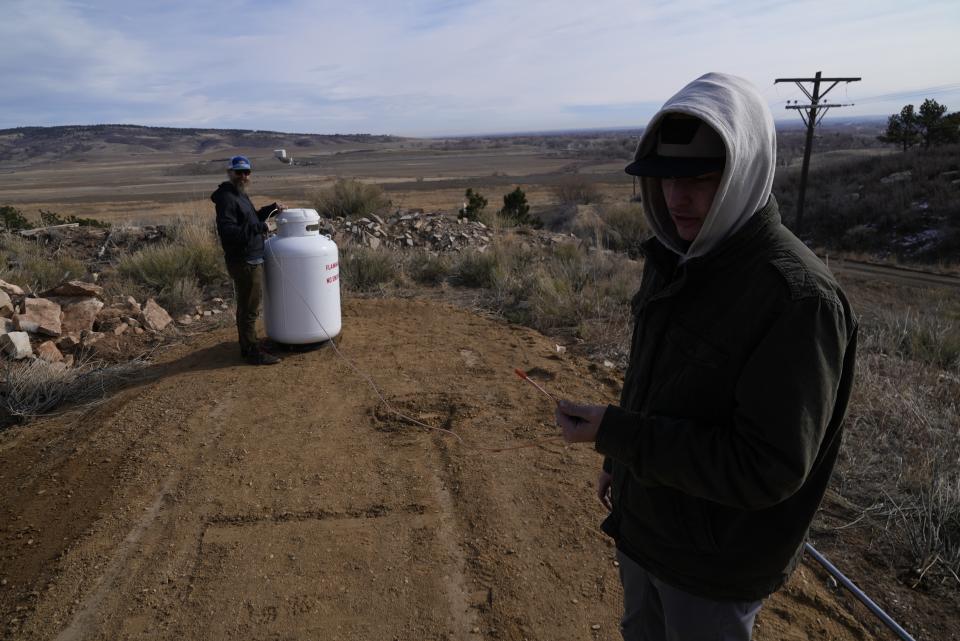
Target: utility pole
811	119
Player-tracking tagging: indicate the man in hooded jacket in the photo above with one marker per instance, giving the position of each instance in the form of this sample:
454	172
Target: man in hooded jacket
241	228
740	371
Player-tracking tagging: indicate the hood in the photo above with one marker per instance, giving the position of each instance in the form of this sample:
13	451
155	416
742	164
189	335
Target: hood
735	109
224	188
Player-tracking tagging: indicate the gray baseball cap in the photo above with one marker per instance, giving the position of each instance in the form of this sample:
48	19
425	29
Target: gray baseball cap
686	146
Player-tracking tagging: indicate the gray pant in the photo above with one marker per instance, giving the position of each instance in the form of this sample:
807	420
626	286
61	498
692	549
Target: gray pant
655	611
247	284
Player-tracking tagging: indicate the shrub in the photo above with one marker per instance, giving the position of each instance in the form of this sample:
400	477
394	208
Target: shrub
516	210
25	262
475	269
474	205
363	269
182	296
12	219
428	269
849	207
564	288
34	387
350	199
576	190
192	254
50	218
626	228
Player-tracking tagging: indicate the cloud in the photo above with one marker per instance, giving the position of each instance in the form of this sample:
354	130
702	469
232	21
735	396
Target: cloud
430	66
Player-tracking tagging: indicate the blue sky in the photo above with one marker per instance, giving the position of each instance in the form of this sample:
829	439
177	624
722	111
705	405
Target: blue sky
440	67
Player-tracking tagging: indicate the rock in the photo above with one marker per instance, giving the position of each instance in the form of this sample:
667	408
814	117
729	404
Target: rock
186	319
7	326
120	329
131	306
154	317
109	314
48	351
11	289
7	308
76	288
373	242
90	338
40	316
68	342
80	315
897	177
16	345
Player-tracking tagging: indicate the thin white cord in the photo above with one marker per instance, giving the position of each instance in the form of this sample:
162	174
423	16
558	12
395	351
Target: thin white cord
376	390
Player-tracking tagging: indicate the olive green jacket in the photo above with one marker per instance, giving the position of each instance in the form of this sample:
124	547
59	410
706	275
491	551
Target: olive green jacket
729	424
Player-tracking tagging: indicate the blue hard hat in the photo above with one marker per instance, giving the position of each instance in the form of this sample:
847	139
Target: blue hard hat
239	162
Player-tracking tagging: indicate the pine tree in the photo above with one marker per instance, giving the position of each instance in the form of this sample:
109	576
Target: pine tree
515	207
474	204
902	129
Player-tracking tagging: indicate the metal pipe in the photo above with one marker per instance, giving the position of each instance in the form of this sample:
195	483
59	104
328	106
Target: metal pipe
857	592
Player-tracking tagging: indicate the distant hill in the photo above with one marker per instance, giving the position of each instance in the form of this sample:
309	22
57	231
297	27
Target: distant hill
26	145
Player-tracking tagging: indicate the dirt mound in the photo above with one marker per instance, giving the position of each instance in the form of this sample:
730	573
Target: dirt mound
215	500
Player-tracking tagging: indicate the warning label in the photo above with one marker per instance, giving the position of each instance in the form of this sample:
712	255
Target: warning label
333	279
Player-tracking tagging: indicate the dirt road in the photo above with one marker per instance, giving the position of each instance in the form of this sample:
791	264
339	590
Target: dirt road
212	500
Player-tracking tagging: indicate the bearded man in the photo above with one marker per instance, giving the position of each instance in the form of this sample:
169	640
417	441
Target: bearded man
241	229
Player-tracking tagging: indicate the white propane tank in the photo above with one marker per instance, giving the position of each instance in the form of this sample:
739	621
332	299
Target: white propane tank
301	287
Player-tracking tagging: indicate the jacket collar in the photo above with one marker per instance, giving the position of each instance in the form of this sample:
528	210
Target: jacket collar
760	225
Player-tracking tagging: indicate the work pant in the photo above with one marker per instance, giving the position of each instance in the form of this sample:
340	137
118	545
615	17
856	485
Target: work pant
247	281
655	611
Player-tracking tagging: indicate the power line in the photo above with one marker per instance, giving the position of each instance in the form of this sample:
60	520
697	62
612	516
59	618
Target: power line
913	93
811	118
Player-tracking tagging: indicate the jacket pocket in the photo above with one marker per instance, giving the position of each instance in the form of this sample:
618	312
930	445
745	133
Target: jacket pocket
670	519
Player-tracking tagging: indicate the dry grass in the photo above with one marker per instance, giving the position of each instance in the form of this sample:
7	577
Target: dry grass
625	227
176	270
427	269
368	270
31	388
29	264
901	453
576	190
350	199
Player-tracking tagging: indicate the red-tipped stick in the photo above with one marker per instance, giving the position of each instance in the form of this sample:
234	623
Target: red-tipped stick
522	374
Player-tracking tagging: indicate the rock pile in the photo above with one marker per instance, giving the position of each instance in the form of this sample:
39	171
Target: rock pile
60	322
412	229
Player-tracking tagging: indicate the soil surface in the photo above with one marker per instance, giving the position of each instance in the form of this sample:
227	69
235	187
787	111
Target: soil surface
214	500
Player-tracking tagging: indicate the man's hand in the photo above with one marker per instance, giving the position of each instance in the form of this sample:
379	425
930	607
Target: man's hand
604	480
579	422
271	226
280	207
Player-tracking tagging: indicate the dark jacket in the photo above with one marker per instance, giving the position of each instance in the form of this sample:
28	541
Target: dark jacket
239	225
740	370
